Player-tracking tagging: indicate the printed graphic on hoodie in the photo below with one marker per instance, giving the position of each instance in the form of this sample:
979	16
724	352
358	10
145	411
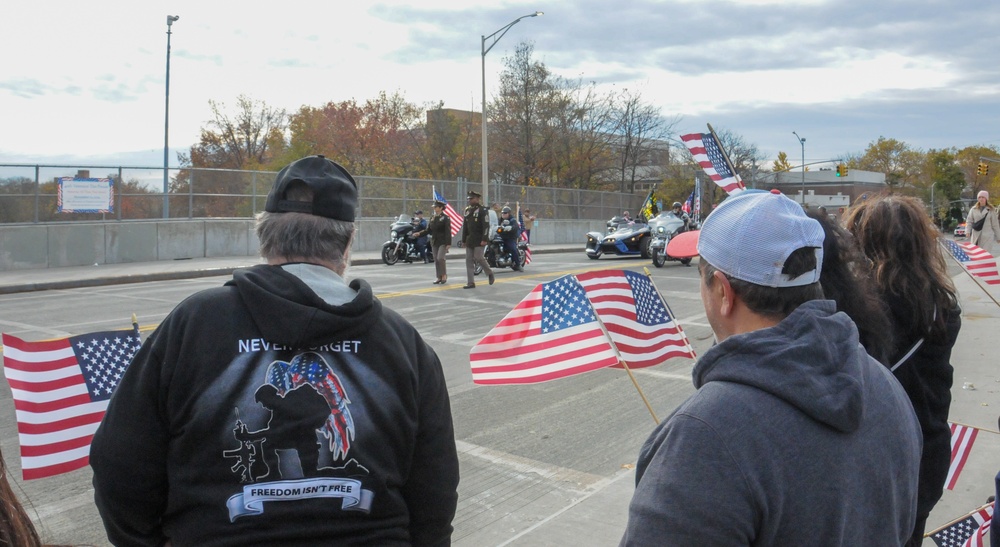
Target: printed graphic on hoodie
308	411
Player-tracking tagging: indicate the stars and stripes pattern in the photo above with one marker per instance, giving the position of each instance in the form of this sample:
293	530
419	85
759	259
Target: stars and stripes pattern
636	317
712	158
962	437
976	260
456	219
552	333
578	324
527	248
61	390
967	531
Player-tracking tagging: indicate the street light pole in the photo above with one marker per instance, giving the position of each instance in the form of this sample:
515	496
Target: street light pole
503	30
802	141
166	125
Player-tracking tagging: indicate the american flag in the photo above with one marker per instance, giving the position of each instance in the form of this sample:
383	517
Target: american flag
967	531
527	249
61	389
712	158
552	333
689	204
638	320
456	219
962	437
555	332
976	260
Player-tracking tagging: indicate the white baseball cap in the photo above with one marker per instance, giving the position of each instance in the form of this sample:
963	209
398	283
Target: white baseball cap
751	235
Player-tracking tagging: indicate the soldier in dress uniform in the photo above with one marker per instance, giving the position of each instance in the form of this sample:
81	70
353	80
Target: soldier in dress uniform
475	235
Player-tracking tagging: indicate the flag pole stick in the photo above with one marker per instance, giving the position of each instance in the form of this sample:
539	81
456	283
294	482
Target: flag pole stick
966	270
965	516
670	312
624	365
637	388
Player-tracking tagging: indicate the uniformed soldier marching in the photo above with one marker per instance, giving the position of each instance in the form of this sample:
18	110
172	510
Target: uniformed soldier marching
475	235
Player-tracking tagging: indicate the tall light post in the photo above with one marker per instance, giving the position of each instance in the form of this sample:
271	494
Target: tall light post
495	38
166	125
802	141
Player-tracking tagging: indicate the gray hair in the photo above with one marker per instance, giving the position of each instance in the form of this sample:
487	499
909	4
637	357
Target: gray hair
302	236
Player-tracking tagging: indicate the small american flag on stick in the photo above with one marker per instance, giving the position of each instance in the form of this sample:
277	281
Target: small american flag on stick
61	390
976	260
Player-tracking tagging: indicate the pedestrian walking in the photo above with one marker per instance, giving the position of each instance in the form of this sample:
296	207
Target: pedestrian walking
982	224
475	236
440	230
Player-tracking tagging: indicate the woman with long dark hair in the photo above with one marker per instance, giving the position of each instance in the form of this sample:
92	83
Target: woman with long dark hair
911	274
846	279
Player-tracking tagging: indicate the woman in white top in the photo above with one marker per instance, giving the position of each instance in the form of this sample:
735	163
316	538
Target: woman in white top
990	232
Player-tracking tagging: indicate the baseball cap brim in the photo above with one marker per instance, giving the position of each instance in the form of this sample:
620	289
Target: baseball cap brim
684	245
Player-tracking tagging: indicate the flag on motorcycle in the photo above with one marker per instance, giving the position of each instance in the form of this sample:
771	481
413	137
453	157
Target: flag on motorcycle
61	390
689	204
577	324
456	219
646	211
707	151
527	248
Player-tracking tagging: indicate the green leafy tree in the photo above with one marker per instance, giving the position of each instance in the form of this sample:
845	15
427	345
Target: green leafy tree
781	164
901	164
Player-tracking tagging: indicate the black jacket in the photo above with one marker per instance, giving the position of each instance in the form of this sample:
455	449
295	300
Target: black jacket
476	226
440	230
259	414
927	378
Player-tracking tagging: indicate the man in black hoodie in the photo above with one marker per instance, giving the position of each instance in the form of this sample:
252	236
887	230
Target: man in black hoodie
795	436
287	407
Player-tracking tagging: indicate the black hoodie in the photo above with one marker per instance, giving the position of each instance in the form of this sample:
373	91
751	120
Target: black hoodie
259	414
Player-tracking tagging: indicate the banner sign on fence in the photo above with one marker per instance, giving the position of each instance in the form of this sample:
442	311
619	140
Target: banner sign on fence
77	195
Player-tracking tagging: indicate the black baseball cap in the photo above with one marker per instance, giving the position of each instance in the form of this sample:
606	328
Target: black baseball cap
335	192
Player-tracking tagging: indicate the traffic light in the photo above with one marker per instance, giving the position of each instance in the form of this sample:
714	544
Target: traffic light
841	170
982	169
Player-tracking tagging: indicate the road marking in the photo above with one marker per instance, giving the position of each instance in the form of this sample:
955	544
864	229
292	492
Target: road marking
524	465
595	489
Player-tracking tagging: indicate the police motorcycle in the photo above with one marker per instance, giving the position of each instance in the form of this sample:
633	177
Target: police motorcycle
497	256
402	245
665	227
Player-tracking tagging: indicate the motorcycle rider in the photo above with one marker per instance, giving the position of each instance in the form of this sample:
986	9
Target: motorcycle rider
420	233
510	233
679	213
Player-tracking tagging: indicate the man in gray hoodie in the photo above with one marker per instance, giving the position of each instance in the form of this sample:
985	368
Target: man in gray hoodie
795	436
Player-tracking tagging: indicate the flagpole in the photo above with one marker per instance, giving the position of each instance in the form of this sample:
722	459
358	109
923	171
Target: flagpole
624	365
725	156
670	312
963	517
636	384
966	270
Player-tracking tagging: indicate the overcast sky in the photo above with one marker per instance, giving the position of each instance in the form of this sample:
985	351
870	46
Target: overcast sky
86	79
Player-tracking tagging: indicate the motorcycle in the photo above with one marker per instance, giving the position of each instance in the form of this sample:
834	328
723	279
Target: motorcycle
498	257
401	245
664	227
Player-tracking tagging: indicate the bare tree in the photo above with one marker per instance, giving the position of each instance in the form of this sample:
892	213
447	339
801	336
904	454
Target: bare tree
640	132
524	118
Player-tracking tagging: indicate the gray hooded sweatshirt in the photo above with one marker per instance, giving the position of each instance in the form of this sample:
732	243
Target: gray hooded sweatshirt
795	437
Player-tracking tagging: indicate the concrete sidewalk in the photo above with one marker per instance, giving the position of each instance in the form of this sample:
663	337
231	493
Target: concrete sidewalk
596	513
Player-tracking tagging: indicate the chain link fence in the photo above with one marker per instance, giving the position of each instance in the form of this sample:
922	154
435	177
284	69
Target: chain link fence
29	193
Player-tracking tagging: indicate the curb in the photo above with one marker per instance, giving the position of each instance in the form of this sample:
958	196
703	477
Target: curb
186	274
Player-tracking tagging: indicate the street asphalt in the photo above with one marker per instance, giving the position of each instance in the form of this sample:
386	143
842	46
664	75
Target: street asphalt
597	516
